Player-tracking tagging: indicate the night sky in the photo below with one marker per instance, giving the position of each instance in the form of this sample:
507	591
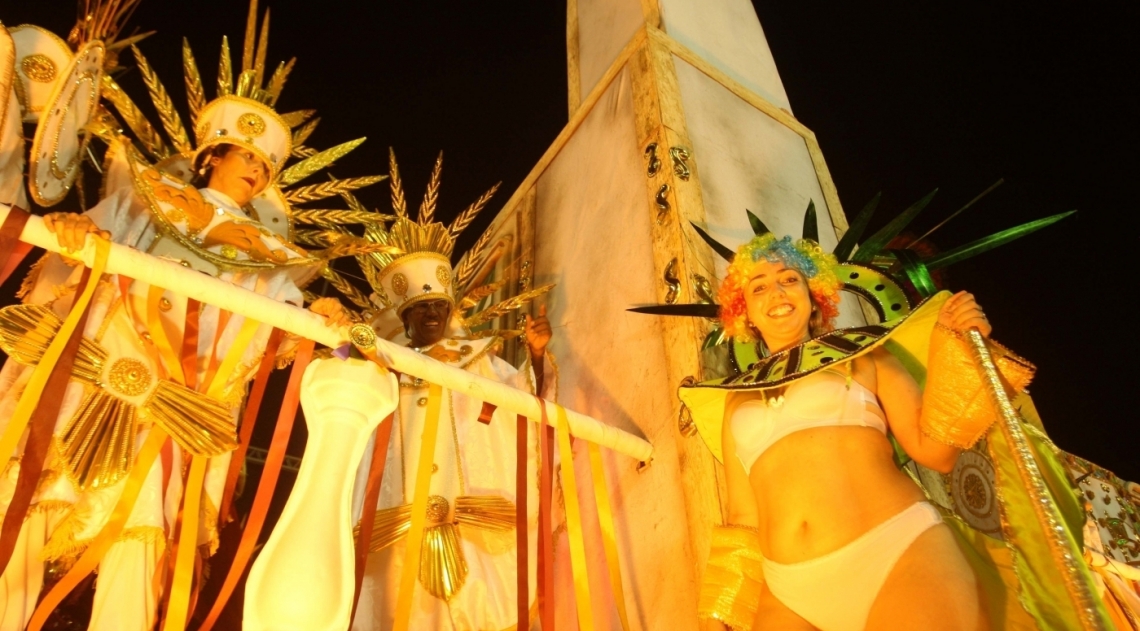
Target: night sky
953	95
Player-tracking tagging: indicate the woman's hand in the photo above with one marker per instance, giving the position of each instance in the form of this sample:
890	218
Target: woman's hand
962	313
71	229
335	314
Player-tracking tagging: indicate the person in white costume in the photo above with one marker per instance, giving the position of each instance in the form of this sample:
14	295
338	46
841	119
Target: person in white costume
468	569
151	358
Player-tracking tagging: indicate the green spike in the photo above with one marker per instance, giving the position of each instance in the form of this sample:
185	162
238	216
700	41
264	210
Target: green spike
811	225
855	231
758	227
916	272
717	247
876	242
994	240
716	337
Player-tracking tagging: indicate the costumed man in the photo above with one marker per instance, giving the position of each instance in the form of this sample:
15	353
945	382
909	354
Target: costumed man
158	381
468	567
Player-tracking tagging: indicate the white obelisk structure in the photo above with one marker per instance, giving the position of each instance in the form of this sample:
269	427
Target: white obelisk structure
677	115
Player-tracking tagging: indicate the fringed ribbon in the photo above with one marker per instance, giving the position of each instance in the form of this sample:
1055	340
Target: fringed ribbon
522	528
12	250
190	344
108	535
39	405
269	475
606	521
371	499
545	532
180	590
419	510
487	413
221	379
249	420
574	524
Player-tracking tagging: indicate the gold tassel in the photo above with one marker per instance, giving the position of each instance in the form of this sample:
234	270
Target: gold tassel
199	424
443	569
97	444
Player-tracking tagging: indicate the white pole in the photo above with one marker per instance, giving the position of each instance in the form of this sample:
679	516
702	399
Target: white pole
209	290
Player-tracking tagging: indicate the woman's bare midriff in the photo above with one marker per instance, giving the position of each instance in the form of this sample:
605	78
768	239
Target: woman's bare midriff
819	489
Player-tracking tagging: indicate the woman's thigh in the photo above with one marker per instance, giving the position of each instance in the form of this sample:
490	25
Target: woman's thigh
774	615
931	587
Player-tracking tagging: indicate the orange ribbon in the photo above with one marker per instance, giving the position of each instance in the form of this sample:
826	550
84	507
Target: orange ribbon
269	474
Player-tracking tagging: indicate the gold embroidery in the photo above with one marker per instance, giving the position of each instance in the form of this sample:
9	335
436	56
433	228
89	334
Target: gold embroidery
244	237
444	275
250	124
188	204
129	376
442	354
399	285
38	68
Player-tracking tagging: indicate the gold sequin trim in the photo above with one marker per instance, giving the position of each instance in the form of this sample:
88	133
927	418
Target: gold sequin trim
38	68
129	377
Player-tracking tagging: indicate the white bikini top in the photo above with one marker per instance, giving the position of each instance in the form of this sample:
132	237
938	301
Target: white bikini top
825	399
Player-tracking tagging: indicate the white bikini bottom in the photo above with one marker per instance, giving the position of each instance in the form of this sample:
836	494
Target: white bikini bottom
834	592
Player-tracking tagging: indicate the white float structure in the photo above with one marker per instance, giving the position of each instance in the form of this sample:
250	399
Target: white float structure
677	114
304	578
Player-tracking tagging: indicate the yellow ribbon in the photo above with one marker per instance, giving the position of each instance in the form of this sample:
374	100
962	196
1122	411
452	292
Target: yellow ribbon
419	510
35	387
221	378
108	535
606	520
187	547
574	525
158	335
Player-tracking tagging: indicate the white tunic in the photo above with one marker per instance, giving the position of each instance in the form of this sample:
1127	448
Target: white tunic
126	594
486	456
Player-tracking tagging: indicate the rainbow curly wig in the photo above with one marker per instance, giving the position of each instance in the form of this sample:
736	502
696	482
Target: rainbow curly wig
804	255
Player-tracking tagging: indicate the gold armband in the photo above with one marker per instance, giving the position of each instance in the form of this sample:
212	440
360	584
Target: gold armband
734	577
956	409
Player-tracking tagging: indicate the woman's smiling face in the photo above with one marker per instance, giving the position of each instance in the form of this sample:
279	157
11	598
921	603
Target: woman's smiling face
779	304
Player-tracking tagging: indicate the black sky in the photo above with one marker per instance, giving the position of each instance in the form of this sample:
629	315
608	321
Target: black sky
903	99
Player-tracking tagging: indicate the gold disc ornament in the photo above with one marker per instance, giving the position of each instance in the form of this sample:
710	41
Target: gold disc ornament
60	141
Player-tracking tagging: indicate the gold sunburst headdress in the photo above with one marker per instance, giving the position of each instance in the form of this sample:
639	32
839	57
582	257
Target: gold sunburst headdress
417	264
243	113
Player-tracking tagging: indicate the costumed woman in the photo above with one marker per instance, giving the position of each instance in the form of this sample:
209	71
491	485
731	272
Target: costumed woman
156	373
468	569
848	540
836	444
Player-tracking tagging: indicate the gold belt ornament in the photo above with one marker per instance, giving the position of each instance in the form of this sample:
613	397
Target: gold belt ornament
443	568
97	444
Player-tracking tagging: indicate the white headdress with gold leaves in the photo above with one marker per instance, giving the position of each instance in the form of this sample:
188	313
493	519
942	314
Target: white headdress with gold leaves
243	114
417	267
